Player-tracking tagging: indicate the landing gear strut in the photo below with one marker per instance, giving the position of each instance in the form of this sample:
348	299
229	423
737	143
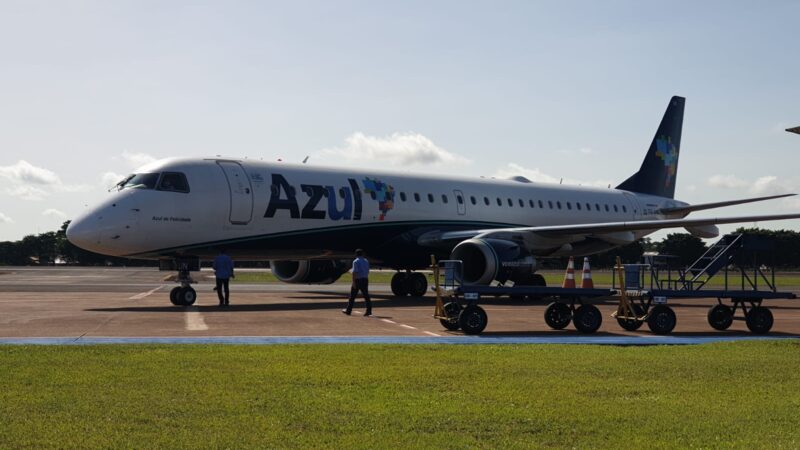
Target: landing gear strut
409	283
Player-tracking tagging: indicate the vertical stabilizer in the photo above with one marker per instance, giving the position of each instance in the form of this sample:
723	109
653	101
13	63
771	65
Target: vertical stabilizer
660	166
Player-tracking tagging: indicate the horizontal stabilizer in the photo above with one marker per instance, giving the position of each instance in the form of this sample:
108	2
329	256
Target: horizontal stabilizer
683	210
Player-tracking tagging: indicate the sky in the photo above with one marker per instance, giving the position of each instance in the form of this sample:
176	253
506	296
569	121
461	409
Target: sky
561	90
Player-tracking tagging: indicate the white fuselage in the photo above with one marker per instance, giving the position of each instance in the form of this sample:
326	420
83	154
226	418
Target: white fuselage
298	211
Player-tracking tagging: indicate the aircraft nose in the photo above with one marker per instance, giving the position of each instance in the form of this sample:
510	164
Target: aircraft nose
81	234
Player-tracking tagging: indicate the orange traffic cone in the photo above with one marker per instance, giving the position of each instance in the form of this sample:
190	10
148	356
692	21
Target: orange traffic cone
586	281
569	277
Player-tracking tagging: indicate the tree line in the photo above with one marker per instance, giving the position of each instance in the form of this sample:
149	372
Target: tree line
54	248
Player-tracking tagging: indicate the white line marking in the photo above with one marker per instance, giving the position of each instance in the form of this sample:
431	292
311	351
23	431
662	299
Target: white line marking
145	294
388	321
408	326
430	333
194	320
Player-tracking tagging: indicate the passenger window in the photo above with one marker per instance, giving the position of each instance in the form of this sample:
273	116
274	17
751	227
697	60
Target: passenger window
569	206
606	205
615	208
142	181
444	198
550	204
460	199
541	204
624	209
403	196
578	205
558	203
486	200
597	206
530	202
499	202
173	182
588	207
472	199
521	203
510	203
416	197
373	195
430	198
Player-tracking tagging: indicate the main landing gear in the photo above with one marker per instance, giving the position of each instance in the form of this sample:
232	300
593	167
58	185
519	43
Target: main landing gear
414	284
183	295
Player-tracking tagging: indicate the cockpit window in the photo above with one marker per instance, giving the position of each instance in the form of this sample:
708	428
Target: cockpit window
139	181
174	182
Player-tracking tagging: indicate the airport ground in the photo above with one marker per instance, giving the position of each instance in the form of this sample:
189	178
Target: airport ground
730	394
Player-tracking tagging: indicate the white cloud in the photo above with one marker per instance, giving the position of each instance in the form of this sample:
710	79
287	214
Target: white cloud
581	151
27	192
52	212
5	219
513	169
765	185
398	148
24	172
137	159
727	182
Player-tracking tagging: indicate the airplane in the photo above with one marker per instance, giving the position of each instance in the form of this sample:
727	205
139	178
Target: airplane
308	220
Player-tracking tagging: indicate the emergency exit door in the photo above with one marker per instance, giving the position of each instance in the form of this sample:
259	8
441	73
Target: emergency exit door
461	202
241	192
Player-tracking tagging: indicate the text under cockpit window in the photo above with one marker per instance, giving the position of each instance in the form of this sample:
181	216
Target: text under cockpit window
173	182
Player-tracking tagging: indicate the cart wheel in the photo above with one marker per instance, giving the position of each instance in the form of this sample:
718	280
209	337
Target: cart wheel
473	319
759	320
630	324
452	310
173	296
661	319
557	315
587	319
720	317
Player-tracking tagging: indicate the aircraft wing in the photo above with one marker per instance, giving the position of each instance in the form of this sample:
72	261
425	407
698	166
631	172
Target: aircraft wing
586	229
703	206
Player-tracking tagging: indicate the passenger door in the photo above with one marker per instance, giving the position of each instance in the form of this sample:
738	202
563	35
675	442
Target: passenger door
241	192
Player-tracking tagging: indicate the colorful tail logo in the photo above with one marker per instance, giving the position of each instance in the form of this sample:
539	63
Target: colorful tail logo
669	154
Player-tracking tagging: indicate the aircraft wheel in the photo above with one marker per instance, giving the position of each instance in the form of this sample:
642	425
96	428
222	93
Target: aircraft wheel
173	296
187	296
720	317
557	315
759	320
587	319
399	288
473	319
632	325
662	319
417	284
452	310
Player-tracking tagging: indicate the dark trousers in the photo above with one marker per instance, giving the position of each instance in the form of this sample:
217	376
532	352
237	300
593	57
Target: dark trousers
222	283
362	284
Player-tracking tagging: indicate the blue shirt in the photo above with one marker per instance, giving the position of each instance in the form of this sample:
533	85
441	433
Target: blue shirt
360	267
223	266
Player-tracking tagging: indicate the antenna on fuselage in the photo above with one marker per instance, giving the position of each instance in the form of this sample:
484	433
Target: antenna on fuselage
305	160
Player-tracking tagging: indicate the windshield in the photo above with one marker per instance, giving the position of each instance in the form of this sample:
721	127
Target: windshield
139	181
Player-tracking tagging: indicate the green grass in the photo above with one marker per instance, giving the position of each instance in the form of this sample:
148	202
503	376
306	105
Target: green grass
742	395
553	278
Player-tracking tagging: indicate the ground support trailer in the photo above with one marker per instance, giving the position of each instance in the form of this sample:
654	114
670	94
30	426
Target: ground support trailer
457	304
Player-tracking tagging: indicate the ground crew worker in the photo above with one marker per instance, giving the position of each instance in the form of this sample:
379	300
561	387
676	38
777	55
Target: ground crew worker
223	271
360	283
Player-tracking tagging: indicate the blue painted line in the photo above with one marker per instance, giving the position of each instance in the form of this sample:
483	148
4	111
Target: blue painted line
451	340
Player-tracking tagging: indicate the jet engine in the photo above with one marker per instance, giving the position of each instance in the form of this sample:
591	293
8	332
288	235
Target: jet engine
485	260
322	271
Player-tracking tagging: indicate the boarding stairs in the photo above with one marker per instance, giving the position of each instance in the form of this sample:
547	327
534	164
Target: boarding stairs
715	258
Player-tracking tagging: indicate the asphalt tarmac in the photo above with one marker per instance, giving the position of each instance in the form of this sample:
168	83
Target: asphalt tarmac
107	305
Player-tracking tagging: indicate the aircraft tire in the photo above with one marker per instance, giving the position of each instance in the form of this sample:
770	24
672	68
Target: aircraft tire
662	319
416	284
720	317
187	296
399	284
173	296
557	315
632	325
473	319
587	319
759	320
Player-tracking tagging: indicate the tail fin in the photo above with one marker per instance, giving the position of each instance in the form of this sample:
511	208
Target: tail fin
660	166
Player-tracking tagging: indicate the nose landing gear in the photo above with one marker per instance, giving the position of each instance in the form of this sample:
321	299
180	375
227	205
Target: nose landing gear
183	295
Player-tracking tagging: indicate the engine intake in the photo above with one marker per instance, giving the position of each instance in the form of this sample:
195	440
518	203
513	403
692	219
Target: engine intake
324	271
485	260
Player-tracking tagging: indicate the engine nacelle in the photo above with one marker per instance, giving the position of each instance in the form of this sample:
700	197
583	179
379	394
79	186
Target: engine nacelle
485	260
322	271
